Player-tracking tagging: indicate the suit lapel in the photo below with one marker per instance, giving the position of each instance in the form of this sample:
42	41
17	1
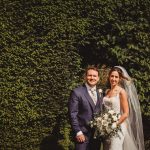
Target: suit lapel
89	99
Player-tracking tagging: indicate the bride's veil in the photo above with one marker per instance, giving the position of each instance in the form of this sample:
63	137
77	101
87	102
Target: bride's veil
135	136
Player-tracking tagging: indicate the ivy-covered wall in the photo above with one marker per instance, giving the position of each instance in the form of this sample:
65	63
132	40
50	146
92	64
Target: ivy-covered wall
44	47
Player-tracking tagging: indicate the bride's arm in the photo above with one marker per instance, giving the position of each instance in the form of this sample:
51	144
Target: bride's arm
124	106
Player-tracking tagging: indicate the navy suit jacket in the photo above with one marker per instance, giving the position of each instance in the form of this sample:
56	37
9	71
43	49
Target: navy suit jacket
82	109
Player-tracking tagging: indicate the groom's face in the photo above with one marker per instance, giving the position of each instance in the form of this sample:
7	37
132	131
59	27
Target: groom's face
92	77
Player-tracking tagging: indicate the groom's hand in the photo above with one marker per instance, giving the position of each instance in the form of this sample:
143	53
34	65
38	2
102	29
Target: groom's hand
80	138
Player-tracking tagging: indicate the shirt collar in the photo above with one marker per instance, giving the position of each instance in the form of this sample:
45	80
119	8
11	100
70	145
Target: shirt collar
89	88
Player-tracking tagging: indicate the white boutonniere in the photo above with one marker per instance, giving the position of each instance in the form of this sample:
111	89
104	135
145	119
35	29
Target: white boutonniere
100	92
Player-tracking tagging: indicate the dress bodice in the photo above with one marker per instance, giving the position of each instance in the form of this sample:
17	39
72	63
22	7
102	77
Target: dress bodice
112	103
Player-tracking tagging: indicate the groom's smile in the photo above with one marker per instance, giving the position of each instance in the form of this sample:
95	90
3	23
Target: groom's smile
92	77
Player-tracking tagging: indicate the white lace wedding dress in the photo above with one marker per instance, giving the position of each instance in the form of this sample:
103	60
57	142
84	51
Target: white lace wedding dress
124	141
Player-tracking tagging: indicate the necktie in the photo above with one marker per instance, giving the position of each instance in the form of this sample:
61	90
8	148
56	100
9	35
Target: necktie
94	95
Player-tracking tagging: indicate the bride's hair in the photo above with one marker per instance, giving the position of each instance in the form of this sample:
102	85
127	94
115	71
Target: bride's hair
119	72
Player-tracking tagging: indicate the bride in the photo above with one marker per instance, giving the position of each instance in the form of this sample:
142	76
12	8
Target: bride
122	97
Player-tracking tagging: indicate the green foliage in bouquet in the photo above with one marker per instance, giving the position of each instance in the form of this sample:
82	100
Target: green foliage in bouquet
105	124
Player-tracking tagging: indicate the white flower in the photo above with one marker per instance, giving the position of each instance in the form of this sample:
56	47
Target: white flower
115	118
99	119
104	122
114	126
108	130
111	112
100	90
109	120
105	116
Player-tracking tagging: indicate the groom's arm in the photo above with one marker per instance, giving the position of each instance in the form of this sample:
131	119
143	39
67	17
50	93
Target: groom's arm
73	112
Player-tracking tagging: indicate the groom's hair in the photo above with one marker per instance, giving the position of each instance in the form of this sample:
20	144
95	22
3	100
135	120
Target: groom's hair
92	67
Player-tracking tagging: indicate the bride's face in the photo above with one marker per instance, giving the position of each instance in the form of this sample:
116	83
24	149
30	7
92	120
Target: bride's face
114	78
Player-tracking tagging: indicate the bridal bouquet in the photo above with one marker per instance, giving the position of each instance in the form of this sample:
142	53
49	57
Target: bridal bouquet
105	124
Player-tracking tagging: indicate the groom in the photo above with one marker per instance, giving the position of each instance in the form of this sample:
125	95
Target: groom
84	102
